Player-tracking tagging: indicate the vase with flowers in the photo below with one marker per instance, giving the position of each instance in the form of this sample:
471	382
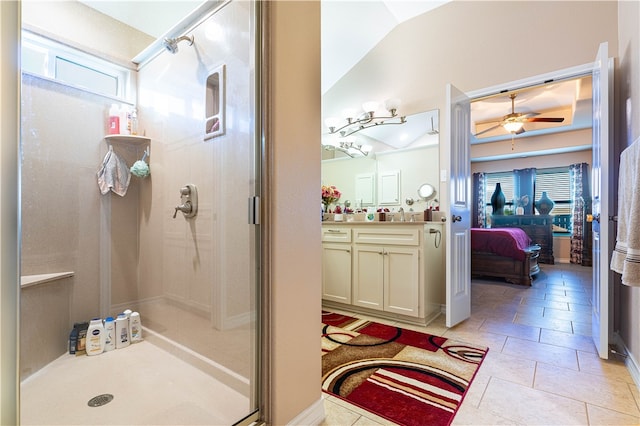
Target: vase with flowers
330	194
521	203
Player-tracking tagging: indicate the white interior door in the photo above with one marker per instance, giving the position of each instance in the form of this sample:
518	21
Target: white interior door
602	188
458	122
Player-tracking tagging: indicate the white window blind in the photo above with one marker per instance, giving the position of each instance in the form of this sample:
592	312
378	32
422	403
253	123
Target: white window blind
557	185
506	183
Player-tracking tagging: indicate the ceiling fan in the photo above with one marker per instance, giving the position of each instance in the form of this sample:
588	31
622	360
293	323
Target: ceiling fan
514	122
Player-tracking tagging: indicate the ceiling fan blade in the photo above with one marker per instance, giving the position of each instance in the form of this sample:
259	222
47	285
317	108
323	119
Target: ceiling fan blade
545	119
488	130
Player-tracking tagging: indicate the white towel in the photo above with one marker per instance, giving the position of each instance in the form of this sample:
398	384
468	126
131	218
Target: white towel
626	255
114	174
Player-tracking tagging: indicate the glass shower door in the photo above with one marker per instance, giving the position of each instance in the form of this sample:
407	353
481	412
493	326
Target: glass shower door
178	247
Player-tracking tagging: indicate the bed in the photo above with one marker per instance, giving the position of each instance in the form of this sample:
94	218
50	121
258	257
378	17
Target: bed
504	253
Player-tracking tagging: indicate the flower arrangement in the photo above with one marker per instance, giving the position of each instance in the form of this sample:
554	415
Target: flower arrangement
330	194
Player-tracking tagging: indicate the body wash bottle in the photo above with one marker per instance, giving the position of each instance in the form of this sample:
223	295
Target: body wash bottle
95	337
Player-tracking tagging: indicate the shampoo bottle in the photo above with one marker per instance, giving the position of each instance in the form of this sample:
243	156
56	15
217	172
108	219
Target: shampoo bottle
122	331
134	122
95	337
125	120
136	327
109	334
114	120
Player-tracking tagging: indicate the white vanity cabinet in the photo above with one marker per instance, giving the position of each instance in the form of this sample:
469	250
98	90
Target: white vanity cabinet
386	269
392	270
336	264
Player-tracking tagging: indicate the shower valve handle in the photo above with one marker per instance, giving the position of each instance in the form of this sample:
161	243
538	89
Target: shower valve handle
185	208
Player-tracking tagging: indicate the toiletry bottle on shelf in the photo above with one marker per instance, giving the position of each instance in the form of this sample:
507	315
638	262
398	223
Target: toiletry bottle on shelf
114	120
109	334
136	327
125	120
134	122
95	337
122	331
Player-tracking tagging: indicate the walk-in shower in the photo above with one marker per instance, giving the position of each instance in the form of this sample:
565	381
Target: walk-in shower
193	279
171	44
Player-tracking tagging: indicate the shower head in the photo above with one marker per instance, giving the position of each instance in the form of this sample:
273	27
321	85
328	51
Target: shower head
171	44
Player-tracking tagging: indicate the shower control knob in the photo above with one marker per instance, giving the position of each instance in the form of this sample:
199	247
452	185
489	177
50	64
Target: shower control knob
185	208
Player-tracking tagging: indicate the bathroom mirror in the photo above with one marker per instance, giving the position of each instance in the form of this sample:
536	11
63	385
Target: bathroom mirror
426	191
416	162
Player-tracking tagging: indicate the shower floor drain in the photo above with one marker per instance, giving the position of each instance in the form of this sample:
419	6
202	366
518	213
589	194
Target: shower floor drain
100	400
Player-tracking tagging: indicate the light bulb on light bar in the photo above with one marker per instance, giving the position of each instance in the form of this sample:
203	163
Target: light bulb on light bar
513	126
392	105
332	122
355	122
370	106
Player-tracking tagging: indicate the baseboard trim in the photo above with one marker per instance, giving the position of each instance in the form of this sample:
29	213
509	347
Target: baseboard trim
312	415
630	362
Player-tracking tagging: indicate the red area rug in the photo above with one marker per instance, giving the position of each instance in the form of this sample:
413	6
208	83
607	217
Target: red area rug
407	377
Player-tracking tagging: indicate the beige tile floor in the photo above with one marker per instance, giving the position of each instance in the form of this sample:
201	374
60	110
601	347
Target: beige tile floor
542	367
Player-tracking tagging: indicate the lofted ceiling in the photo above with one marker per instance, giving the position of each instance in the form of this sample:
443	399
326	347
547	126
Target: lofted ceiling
350	29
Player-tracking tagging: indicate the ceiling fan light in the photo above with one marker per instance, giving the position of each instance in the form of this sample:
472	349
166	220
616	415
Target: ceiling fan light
513	126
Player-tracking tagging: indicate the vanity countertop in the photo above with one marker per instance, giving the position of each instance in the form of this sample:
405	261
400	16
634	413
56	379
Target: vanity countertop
378	223
359	219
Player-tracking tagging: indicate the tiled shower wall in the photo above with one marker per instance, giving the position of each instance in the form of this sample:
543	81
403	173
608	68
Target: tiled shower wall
62	209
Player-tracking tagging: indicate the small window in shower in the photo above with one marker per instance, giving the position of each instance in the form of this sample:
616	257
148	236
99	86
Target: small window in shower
215	104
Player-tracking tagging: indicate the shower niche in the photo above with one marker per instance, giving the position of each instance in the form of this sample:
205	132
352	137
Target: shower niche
215	104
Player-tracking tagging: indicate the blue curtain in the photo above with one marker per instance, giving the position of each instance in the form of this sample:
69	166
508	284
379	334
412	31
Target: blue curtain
479	194
581	200
524	189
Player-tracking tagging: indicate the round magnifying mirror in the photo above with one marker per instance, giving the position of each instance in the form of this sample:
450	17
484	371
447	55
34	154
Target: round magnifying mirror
426	191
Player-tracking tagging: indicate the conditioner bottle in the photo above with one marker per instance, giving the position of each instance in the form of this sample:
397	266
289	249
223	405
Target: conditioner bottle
122	331
136	327
109	334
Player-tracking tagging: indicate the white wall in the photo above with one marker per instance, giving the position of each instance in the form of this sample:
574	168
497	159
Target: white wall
293	200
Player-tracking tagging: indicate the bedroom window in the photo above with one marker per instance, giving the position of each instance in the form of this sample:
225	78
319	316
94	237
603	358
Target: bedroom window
555	181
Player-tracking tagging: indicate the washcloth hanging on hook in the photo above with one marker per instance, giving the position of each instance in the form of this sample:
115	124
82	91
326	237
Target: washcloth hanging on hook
114	174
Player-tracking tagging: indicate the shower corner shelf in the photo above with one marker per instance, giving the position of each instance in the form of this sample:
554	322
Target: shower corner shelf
130	139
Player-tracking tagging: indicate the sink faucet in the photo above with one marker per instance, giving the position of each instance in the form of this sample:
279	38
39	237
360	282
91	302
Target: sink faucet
401	211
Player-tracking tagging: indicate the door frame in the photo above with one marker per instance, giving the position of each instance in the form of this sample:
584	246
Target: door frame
562	74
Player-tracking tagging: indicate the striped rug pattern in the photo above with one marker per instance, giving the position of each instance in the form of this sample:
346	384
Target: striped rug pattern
407	377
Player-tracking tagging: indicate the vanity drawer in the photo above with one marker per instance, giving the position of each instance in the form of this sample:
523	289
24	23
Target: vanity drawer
336	235
402	236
